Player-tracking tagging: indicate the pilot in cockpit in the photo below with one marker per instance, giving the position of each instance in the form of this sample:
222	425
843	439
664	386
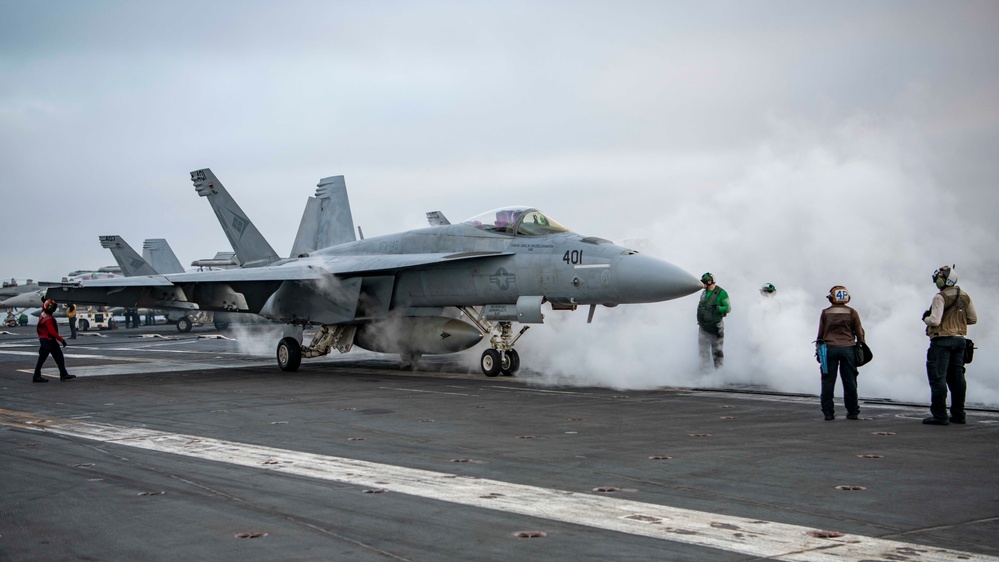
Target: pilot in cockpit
505	220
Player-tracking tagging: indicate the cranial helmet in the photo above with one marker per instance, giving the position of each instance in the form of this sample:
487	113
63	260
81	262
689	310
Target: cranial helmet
768	289
708	279
49	306
945	277
838	295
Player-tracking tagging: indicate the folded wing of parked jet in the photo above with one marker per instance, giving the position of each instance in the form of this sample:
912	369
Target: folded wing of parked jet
251	247
131	263
437	218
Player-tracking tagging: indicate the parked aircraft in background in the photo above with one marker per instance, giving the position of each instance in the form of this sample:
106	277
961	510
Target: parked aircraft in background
222	260
15	295
13	290
393	293
187	316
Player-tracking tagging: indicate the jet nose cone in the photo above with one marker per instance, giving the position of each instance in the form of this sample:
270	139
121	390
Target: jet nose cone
25	300
642	278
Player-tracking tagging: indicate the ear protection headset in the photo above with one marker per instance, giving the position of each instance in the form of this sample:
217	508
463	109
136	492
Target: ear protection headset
945	277
838	295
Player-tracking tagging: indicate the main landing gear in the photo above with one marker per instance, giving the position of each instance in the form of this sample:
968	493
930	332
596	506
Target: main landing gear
328	338
501	358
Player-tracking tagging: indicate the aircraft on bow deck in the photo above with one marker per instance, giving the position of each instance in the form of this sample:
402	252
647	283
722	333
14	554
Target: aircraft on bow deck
402	293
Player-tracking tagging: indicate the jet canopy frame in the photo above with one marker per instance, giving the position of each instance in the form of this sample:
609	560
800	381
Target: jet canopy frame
516	221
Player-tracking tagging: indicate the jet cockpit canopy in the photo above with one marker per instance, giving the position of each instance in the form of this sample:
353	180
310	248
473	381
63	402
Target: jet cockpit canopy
522	221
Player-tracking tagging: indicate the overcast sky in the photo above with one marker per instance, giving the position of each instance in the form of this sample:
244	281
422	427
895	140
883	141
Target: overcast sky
802	143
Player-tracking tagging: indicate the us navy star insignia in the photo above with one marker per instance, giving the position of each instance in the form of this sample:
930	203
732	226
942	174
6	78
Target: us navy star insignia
502	278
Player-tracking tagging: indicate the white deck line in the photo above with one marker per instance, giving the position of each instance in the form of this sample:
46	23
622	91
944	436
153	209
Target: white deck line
752	537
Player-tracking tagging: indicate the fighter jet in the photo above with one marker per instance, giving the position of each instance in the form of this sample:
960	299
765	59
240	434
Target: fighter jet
394	293
159	250
32	298
16	296
132	265
20	295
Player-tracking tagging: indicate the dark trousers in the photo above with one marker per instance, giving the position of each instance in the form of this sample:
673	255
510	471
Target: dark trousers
844	360
72	328
46	347
710	342
945	369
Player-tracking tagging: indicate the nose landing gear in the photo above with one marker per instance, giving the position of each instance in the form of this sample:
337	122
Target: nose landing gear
501	358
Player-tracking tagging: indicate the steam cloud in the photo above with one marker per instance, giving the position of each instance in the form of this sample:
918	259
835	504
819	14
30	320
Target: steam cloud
854	206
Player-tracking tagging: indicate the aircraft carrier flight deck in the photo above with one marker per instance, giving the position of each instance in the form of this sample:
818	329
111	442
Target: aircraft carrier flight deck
184	446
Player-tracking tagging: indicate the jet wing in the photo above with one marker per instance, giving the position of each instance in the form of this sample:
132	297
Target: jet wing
323	288
119	291
265	273
318	267
352	266
136	281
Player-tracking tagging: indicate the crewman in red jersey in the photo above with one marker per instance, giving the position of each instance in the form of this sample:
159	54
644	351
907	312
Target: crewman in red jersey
49	340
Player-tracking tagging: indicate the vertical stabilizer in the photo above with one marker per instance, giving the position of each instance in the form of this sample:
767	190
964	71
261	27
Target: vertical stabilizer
251	247
327	220
158	254
308	229
131	263
336	224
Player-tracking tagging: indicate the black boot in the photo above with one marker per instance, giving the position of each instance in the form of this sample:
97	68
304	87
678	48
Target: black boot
66	377
39	378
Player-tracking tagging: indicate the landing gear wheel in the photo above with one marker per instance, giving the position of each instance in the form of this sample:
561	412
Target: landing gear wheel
184	324
289	354
490	363
511	363
221	326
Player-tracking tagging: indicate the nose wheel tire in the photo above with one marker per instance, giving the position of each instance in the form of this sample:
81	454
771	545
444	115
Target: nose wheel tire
289	354
491	363
184	324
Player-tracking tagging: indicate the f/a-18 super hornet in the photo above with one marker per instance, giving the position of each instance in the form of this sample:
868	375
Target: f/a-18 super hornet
158	257
427	291
158	251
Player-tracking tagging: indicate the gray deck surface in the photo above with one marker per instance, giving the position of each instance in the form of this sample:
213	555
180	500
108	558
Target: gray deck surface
767	458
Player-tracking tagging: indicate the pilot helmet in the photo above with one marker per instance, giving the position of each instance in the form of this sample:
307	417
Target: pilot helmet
838	295
945	277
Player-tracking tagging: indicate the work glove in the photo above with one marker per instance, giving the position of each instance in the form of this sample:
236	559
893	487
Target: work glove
64	344
925	314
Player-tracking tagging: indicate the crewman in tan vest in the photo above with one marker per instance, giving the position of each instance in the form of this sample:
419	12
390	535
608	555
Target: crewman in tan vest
946	324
